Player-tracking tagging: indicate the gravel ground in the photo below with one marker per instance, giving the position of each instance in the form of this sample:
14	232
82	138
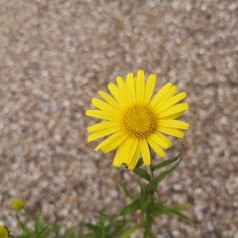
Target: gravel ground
55	56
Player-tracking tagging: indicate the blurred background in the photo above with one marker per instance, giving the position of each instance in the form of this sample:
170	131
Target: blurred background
54	57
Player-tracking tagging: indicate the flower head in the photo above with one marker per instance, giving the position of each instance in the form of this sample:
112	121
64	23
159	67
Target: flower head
134	121
17	204
4	232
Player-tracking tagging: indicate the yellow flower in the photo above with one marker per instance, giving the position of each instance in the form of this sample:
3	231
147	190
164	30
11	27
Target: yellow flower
17	204
135	121
4	232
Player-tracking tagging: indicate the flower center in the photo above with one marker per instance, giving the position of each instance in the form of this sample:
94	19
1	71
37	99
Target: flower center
139	121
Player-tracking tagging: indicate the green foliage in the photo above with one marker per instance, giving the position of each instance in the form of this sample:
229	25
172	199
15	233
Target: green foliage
105	229
132	207
41	230
145	201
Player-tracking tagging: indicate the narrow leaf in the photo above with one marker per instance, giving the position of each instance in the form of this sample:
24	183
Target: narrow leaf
129	194
119	229
142	173
181	207
144	197
130	231
161	209
24	228
164	174
165	163
115	225
130	207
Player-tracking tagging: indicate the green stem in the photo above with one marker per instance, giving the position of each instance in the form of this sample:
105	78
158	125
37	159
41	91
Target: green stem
149	219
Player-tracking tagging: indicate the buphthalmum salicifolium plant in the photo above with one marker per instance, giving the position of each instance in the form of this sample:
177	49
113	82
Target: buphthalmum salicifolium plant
134	122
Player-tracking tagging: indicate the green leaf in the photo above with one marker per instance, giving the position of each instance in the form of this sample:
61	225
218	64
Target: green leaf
130	231
26	231
144	197
116	225
165	163
160	209
38	223
129	194
142	173
130	207
164	174
181	207
102	220
56	229
71	233
45	232
118	228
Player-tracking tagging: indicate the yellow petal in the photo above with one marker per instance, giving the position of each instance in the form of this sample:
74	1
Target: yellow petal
124	91
161	140
163	91
154	145
173	116
174	110
103	115
145	152
140	87
112	142
124	152
135	158
100	134
116	93
171	131
103	105
149	88
165	98
110	100
102	126
130	83
174	124
170	102
132	149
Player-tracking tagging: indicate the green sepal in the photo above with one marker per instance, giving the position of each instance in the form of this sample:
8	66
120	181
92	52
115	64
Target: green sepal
131	207
142	173
139	163
165	163
129	194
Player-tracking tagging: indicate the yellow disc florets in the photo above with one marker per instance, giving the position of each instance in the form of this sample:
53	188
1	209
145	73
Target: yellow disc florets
17	204
139	122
